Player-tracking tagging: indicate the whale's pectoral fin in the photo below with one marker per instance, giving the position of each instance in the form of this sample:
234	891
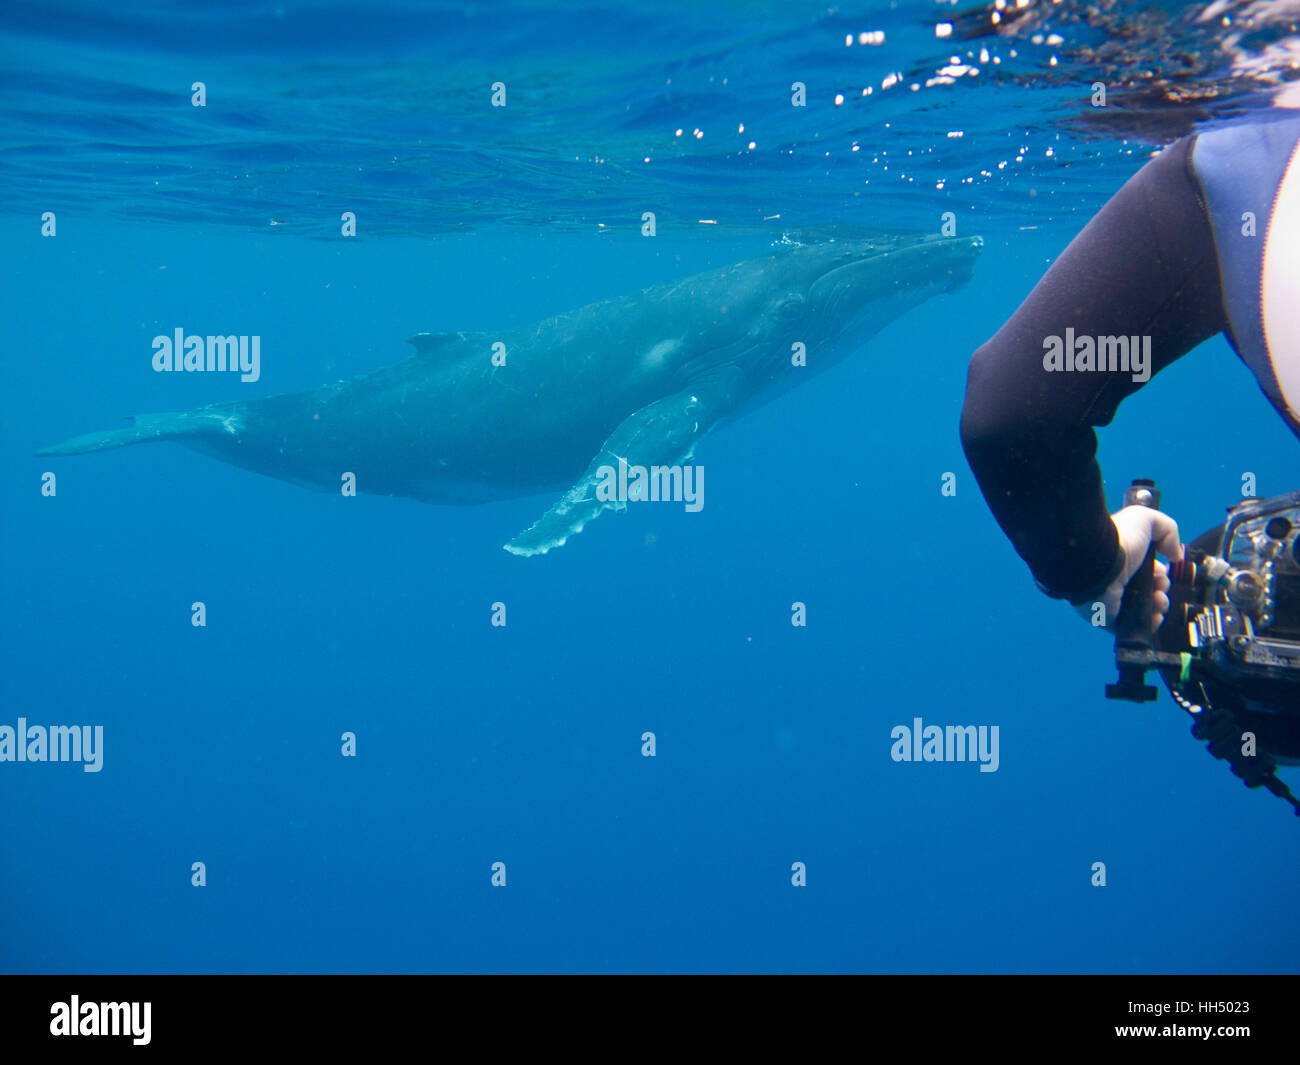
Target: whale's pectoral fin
664	433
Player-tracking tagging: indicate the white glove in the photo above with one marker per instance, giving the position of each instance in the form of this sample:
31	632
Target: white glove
1138	527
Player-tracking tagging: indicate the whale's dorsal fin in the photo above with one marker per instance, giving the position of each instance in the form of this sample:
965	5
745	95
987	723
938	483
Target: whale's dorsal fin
435	343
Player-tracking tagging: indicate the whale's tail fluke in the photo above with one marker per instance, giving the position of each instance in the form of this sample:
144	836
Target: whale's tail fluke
147	428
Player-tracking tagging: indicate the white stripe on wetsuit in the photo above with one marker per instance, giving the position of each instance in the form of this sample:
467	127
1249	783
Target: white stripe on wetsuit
1280	286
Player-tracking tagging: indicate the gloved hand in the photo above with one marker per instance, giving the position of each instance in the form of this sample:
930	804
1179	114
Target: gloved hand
1138	527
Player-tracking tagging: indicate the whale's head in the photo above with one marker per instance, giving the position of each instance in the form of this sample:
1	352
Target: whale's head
836	288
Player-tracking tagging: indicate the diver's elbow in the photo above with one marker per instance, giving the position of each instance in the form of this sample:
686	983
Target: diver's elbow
988	425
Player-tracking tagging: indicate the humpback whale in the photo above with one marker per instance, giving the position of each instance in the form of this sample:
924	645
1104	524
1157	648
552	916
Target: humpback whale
636	379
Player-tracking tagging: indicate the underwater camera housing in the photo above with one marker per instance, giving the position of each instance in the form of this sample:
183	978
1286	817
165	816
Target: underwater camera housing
1229	647
1235	606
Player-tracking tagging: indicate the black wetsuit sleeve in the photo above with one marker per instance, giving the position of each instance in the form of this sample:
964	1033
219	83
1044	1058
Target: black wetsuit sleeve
1145	265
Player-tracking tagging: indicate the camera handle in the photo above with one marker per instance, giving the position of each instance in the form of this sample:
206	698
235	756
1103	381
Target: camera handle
1133	626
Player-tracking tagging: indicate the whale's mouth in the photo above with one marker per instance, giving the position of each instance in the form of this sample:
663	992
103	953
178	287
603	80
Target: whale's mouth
875	285
944	262
838	292
961	263
831	287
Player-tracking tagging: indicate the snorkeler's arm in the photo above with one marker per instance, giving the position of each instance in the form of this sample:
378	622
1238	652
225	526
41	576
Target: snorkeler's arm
1144	266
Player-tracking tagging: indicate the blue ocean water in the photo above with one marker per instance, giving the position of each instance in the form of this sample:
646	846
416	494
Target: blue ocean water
522	745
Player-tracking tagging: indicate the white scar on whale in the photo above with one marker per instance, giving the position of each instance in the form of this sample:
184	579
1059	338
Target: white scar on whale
641	377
